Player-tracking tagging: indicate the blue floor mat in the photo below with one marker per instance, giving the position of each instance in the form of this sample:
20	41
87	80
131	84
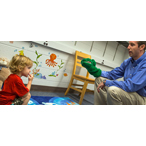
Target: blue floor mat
47	100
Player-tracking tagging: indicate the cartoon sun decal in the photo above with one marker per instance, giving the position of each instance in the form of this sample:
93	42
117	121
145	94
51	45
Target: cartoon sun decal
21	52
51	62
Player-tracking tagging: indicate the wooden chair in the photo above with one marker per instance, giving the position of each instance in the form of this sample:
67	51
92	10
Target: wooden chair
85	79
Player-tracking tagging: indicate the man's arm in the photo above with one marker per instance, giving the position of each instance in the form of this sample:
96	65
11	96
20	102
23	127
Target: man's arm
137	82
115	73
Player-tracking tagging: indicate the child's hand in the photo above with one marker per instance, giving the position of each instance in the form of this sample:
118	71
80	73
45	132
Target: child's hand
30	77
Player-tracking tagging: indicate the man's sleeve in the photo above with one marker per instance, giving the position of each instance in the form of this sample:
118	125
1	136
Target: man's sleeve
115	73
133	84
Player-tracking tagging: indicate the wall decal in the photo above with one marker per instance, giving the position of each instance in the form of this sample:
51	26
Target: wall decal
38	75
15	50
35	70
60	66
65	74
11	42
21	52
40	65
51	62
37	62
22	47
54	74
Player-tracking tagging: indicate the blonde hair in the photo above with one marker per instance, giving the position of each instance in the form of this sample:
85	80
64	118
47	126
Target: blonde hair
19	62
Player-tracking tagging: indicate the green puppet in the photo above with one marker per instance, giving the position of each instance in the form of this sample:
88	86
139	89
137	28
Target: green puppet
90	65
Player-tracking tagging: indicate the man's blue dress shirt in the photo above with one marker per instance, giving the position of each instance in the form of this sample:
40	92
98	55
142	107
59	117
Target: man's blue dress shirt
134	73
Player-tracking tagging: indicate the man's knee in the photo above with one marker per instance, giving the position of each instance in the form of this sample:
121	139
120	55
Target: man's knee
113	89
113	94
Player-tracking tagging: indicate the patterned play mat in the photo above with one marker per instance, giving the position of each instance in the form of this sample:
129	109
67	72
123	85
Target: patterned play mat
46	100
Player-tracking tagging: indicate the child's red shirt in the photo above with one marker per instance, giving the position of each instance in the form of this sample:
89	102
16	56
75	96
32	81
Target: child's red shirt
13	87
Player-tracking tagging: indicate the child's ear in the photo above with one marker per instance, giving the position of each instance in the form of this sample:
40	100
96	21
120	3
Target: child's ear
19	68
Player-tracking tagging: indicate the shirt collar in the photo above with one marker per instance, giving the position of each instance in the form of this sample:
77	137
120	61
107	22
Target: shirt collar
138	60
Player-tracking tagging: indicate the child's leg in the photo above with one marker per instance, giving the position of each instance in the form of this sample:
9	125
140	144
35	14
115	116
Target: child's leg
26	98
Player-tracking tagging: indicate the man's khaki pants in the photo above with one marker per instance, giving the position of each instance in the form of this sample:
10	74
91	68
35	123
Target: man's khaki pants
116	96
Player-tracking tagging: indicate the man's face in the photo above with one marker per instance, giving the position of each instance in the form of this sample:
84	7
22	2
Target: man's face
134	50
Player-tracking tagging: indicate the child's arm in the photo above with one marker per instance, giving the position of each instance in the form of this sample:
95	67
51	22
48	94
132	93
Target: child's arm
30	78
27	96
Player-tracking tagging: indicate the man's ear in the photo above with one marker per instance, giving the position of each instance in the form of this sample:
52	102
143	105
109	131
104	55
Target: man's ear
142	47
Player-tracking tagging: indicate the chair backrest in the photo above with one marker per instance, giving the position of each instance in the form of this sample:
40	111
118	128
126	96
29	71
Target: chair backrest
78	57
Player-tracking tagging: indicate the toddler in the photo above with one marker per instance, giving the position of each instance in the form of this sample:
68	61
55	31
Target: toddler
14	91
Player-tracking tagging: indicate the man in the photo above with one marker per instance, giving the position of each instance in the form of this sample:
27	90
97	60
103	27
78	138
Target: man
131	91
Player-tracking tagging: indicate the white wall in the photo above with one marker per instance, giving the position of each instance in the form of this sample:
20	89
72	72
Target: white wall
64	51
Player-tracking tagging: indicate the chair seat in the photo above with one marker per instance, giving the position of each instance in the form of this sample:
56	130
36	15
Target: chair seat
84	78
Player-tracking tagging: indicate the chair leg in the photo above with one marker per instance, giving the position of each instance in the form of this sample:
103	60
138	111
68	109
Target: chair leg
79	94
83	92
68	86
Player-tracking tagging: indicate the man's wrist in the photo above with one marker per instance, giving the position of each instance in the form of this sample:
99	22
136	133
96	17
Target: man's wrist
104	81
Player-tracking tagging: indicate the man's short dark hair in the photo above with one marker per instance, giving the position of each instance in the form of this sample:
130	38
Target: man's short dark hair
141	43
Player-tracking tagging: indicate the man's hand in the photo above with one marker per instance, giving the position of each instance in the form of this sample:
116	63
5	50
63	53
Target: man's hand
101	85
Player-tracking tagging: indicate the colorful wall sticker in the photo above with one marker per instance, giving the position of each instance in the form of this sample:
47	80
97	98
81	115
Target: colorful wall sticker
21	52
11	42
51	62
40	65
54	74
37	62
65	74
35	70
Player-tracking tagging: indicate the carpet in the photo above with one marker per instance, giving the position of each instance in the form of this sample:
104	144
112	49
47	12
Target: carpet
47	100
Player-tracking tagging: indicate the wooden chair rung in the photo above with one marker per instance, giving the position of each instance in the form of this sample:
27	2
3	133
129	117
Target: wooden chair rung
79	90
77	85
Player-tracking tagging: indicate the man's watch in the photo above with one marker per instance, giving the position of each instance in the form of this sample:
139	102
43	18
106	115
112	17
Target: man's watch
104	82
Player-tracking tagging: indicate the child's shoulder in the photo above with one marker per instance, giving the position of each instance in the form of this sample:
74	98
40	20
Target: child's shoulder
14	76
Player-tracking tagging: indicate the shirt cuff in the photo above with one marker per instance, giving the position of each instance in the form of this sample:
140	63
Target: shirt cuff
108	83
